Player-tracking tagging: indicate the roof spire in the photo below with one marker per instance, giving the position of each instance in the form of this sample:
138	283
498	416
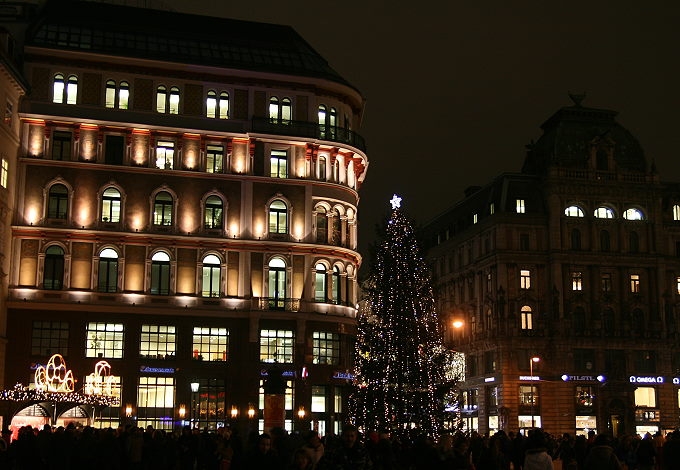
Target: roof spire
577	98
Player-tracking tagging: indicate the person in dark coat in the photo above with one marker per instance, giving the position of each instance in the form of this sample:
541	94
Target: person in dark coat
601	455
263	457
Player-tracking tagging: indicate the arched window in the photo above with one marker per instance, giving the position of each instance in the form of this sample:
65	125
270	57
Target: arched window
336	227
279	111
213	212
322	120
321	225
53	277
322	168
123	95
277	283
174	100
676	212
161	98
604	212
217	108
223	105
58	88
634	242
65	91
575	239
633	214
211	104
526	318
211	276
71	89
274	109
332	122
111	205
605	241
337	286
320	283
110	99
285	110
573	211
162	209
108	271
57	205
278	217
160	273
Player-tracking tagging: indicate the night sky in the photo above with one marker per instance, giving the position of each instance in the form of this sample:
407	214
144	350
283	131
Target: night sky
455	90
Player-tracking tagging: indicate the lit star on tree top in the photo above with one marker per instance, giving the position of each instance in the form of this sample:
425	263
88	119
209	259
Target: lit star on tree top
396	202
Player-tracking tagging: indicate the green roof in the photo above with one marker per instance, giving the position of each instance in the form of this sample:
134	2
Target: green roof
177	37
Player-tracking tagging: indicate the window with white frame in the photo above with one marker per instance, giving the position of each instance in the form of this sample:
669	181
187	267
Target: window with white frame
61	145
167	102
520	206
217	106
676	212
111	205
165	154
277	346
162	208
49	337
117	94
576	281
278	217
325	348
157	341
318	399
65	90
645	396
635	283
107	276
337	285
279	164
320	283
279	110
105	340
524	279
211	281
526	318
277	283
53	268
214	158
210	344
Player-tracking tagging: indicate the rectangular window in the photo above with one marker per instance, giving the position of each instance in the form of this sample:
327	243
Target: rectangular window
645	396
114	149
165	154
576	281
526	318
521	209
584	397
677	285
61	145
105	340
525	279
474	218
157	342
277	346
606	282
49	337
155	402
471	399
492	209
318	399
9	114
524	241
4	173
635	283
214	158
492	396
279	164
489	362
325	348
528	395
210	344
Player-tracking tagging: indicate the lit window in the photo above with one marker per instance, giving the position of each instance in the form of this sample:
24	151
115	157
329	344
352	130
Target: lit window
210	344
108	271
162	209
214	158
160	273
474	218
9	113
64	90
111	205
277	346
318	399
278	217
584	396
174	100
603	212
123	95
4	173
321	225
320	283
213	212
165	154
525	279
211	276
110	98
635	283
325	348
526	318
49	337
104	340
573	211
277	283
53	272
57	204
117	96
279	110
521	208
633	214
645	396
157	341
576	281
161	99
279	164
211	104
155	396
528	395
676	212
71	89
492	208
223	105
58	87
337	286
677	285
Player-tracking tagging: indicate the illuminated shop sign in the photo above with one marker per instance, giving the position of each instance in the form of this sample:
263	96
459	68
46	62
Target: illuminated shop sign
676	380
489	379
636	379
343	375
529	377
157	370
583	378
284	373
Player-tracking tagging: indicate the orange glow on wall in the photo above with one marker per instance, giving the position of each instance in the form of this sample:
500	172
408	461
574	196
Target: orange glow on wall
32	214
36	140
233	230
140	146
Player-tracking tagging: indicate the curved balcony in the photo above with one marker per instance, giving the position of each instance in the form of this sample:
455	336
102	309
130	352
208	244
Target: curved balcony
308	129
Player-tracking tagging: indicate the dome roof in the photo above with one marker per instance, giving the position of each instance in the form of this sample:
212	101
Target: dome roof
579	138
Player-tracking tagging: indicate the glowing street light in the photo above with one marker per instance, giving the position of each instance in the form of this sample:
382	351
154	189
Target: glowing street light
531	374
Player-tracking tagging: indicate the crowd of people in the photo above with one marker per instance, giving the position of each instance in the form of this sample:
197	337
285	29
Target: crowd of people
137	448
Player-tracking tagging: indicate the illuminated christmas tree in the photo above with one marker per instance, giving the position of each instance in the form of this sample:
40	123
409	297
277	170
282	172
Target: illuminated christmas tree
400	357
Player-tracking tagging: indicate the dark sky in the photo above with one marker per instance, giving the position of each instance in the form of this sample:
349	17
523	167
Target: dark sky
456	89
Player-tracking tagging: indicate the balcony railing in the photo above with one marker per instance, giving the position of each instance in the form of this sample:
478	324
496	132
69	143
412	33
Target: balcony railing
308	129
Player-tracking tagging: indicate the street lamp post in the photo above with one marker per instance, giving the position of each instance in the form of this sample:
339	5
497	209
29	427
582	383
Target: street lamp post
194	403
531	375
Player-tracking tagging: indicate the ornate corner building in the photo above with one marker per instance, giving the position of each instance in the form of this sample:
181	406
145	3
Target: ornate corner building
179	199
565	278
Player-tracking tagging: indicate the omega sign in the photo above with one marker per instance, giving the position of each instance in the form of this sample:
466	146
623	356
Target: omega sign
646	380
